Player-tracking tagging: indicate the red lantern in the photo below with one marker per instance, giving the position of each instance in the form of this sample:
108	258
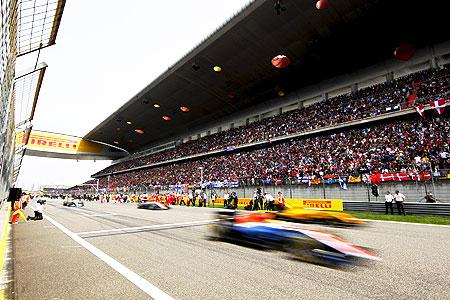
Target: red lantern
322	4
404	52
281	61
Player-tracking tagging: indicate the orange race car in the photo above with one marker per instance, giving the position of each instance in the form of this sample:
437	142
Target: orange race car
302	215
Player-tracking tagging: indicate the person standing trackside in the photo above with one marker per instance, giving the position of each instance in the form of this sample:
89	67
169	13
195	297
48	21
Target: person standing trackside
388	199
226	196
399	200
213	198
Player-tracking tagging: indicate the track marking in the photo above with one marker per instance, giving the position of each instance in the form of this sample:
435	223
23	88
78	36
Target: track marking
131	276
3	241
142	228
98	215
407	223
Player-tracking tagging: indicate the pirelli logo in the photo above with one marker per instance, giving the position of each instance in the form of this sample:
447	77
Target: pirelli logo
321	204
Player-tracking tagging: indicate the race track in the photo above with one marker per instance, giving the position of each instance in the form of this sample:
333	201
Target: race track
178	260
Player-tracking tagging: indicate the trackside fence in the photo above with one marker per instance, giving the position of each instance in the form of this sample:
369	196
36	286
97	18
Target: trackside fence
412	208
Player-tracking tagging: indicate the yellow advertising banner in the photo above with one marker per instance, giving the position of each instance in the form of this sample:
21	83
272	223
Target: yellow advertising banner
52	142
322	204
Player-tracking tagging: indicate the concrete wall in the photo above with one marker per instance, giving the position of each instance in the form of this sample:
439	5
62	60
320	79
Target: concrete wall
355	192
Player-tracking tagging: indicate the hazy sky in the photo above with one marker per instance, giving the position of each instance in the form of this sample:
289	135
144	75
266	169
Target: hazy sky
105	53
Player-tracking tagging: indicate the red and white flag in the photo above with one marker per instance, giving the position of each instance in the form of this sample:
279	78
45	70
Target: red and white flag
401	177
421	110
386	177
421	177
438	105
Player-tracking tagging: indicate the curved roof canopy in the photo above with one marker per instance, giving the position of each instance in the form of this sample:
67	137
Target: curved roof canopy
347	36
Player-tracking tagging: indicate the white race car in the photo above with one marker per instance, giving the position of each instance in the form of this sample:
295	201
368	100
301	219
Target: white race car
152	206
73	202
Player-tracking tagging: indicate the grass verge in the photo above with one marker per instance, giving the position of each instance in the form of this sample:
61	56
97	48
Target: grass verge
399	218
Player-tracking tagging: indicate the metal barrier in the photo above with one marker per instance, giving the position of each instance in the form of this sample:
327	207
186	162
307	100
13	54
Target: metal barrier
412	208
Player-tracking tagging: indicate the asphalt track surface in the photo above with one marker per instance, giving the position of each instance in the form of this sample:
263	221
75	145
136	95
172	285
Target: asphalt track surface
181	262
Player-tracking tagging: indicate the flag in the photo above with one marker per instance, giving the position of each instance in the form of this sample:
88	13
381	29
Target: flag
438	105
386	177
305	179
315	181
330	180
401	177
421	177
234	184
216	184
342	183
366	178
375	178
266	181
354	179
278	182
421	110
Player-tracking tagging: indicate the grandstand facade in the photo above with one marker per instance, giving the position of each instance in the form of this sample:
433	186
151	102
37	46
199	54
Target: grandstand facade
252	123
26	27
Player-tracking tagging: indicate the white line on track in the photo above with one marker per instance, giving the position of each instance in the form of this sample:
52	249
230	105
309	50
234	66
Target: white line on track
141	228
134	278
98	215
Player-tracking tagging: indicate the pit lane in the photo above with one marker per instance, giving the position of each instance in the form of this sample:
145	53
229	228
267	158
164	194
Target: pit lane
181	262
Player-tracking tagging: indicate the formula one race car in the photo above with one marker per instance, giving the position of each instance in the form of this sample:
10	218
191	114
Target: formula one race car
318	216
262	230
152	206
73	203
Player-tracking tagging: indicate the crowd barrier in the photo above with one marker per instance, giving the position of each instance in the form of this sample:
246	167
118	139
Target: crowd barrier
413	208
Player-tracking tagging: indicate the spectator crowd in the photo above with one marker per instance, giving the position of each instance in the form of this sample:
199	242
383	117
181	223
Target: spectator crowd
368	102
397	146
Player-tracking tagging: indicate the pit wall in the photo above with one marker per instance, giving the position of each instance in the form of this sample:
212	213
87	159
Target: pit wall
414	192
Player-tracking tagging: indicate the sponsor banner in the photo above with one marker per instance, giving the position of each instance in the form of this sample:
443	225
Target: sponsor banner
39	143
52	142
321	204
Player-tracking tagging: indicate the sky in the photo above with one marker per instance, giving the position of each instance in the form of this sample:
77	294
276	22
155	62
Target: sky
105	53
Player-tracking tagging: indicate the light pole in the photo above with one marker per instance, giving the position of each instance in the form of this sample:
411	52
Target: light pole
201	178
323	184
432	180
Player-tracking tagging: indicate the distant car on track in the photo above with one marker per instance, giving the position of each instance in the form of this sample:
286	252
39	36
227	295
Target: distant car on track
73	203
262	230
152	206
318	216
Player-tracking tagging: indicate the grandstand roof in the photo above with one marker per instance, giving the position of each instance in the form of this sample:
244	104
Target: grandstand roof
345	37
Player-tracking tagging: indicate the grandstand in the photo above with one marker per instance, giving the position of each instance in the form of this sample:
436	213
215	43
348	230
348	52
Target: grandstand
244	123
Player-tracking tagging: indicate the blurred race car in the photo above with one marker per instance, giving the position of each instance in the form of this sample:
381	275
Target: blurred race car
152	206
262	230
73	203
318	216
